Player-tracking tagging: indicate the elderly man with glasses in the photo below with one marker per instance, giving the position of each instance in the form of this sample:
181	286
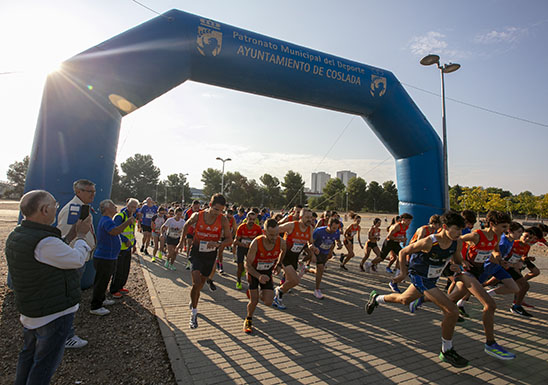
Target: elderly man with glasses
46	284
84	193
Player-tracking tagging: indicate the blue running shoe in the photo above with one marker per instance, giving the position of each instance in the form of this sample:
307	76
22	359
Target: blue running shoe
413	306
499	352
389	270
278	303
394	287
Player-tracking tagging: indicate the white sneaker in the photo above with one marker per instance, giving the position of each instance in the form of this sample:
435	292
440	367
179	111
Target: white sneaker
75	342
100	311
108	302
318	294
301	270
368	267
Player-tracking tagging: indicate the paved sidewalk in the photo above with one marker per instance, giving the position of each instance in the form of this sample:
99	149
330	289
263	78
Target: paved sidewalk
333	340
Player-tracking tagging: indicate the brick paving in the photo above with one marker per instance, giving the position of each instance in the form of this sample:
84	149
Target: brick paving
333	340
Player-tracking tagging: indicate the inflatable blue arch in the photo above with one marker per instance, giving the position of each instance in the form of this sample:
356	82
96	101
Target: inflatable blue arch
83	103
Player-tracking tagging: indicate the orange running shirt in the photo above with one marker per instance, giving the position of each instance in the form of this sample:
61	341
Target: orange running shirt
480	252
298	239
265	259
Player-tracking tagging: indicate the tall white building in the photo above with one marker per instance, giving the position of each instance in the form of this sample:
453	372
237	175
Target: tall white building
345	176
319	180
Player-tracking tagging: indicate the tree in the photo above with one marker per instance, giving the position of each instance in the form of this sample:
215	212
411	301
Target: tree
389	197
495	190
293	185
334	194
495	202
175	187
141	176
118	193
526	202
542	206
236	188
271	191
17	173
373	197
454	193
357	192
211	178
473	198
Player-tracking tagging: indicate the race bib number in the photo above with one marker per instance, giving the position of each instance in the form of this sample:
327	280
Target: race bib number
435	271
246	242
174	233
515	258
149	215
325	246
204	248
482	256
297	247
262	266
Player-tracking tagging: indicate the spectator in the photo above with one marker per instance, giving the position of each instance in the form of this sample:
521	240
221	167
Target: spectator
127	238
106	254
84	193
46	283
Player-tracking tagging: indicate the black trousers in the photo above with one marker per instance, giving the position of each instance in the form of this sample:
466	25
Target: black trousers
121	272
104	268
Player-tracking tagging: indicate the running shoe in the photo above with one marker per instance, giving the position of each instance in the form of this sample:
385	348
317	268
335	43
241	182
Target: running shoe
453	358
117	295
142	249
75	342
160	255
318	294
341	258
372	303
124	291
146	251
187	265
368	267
172	267
239	286
389	270
243	273
413	306
499	352
373	268
519	310
278	302
463	311
211	285
394	287
302	270
221	271
193	323
153	259
343	267
166	265
248	327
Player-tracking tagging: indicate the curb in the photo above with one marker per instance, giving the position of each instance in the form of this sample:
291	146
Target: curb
182	375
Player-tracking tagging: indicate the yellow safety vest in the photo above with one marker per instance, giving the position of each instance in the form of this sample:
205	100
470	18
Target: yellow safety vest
129	231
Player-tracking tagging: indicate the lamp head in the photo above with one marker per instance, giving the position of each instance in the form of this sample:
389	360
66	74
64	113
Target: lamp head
430	59
451	67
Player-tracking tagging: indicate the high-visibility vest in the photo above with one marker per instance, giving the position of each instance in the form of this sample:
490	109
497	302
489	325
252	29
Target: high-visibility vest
129	231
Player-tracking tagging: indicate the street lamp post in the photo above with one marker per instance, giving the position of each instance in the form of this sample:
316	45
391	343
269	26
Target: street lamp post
184	176
444	69
223	173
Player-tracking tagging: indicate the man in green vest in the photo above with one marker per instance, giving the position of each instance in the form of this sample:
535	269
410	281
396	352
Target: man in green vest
46	283
127	237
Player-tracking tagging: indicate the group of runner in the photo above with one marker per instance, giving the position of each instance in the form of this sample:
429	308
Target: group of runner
264	246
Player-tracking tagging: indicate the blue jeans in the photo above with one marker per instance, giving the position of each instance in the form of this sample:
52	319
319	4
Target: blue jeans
42	351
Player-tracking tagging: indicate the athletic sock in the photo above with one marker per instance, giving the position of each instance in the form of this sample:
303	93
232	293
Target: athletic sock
446	345
380	299
194	311
492	292
460	302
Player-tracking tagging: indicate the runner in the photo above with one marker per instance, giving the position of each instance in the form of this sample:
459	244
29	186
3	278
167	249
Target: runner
324	240
482	261
324	219
147	211
434	224
429	256
157	221
397	233
265	255
209	224
352	230
298	235
292	216
173	228
374	237
245	234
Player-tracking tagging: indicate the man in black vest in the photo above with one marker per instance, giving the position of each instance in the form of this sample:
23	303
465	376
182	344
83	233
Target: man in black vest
46	284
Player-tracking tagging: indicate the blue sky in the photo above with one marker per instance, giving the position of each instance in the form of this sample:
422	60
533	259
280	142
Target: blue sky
500	44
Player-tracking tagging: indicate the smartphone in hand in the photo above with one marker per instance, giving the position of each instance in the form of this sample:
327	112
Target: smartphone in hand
84	212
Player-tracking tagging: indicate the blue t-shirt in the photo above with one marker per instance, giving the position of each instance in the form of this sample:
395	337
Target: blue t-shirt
148	212
239	218
108	246
323	239
505	245
466	230
431	264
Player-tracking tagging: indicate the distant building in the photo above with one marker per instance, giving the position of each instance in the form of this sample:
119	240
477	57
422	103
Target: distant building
319	180
345	176
197	193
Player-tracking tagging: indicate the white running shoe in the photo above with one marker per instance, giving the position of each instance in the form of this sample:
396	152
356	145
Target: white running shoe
318	294
100	311
108	302
368	267
75	342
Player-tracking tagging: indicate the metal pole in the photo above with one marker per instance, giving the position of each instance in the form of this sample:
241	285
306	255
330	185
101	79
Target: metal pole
347	201
223	178
444	134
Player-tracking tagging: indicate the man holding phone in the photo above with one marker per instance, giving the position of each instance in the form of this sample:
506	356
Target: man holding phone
77	208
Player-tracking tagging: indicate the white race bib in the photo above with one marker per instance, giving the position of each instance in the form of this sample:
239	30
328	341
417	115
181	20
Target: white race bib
204	247
246	242
325	246
297	247
149	215
515	258
262	266
435	271
482	256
